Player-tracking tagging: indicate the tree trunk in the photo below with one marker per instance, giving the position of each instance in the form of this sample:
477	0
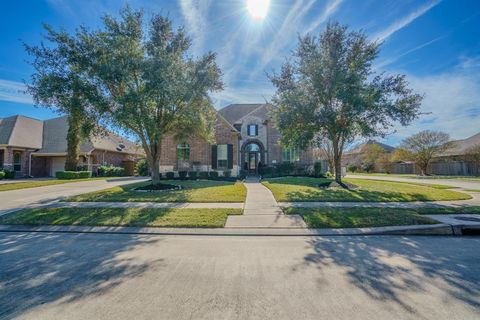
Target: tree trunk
337	162
156	170
73	141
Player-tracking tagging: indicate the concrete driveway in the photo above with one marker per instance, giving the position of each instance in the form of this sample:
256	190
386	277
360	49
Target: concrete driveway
26	197
91	276
457	183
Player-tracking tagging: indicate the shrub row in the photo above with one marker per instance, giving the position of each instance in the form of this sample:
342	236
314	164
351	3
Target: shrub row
110	171
293	169
7	174
67	175
197	175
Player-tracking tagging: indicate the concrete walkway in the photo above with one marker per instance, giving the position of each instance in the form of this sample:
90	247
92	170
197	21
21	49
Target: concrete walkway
261	210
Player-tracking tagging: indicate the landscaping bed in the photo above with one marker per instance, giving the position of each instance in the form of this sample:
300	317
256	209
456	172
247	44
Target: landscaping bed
192	191
135	217
287	189
358	217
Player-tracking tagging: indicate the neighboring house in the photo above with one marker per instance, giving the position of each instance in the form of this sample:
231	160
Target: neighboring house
244	139
37	148
356	155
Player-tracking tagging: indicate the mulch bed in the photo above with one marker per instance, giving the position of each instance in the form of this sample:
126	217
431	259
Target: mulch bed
158	187
334	184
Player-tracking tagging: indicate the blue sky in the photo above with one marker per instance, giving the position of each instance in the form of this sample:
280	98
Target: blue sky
435	43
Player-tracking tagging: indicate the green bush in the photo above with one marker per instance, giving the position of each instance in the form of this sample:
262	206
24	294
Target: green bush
182	174
352	168
2	175
67	175
242	174
170	175
110	171
203	175
318	169
9	174
213	174
142	168
227	173
192	174
285	169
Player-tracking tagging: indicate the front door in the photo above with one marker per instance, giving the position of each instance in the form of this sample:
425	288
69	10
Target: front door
252	162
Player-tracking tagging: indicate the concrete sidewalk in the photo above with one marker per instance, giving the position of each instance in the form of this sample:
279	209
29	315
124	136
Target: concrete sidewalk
261	210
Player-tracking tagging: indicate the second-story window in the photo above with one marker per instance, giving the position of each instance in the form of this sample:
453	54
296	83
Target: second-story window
252	130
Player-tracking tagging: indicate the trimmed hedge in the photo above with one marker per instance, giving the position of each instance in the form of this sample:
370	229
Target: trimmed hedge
2	175
203	174
111	171
170	175
213	174
9	174
192	174
67	175
227	173
182	174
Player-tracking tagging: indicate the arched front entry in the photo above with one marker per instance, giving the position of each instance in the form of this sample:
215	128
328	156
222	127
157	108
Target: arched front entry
253	154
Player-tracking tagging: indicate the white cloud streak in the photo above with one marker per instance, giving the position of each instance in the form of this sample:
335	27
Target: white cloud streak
405	21
330	9
14	91
452	101
195	13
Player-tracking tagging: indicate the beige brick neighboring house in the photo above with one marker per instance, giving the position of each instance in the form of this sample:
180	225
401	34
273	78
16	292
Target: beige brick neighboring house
38	148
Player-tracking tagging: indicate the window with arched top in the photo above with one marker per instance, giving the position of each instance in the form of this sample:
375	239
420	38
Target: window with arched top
17	161
183	152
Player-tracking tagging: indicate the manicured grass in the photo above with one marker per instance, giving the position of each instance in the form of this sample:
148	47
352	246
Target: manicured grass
40	183
414	176
449	210
472	190
358	217
305	189
188	218
195	191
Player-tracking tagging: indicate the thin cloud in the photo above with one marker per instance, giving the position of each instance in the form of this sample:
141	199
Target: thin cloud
13	91
195	14
389	61
330	9
405	21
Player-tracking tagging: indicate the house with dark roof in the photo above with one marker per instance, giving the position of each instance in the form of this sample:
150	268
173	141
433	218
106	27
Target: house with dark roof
245	138
37	148
356	155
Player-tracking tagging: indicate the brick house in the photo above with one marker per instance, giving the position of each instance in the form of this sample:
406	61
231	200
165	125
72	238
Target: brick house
245	138
37	148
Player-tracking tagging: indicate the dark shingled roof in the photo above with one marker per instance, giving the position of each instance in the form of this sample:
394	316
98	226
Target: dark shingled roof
234	112
361	147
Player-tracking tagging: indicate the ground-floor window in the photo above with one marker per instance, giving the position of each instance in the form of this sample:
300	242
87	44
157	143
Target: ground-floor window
291	154
222	156
183	152
17	161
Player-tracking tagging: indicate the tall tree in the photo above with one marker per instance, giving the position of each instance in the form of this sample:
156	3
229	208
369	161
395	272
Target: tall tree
422	147
152	86
371	155
57	84
329	89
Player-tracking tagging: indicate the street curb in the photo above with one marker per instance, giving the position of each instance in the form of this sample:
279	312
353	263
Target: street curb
435	229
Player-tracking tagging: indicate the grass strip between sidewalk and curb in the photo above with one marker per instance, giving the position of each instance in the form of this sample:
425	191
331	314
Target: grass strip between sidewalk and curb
320	218
193	191
133	217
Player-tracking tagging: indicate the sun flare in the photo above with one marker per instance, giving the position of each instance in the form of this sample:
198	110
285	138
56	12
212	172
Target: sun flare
258	9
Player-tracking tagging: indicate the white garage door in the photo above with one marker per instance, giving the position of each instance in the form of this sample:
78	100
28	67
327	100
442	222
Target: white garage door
58	164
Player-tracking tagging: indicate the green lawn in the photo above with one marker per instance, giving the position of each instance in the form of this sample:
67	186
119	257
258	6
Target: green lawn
195	191
414	176
40	183
305	189
188	218
358	217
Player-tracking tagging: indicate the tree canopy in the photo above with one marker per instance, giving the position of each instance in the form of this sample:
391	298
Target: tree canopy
329	88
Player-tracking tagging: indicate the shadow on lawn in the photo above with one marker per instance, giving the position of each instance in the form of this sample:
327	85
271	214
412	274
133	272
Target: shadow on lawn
38	268
354	195
393	269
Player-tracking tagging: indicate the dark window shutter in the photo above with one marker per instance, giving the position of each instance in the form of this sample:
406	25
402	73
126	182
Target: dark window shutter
230	155
214	157
256	130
